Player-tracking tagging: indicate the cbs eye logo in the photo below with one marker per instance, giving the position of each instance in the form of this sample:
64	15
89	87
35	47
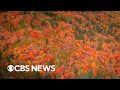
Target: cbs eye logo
18	68
10	68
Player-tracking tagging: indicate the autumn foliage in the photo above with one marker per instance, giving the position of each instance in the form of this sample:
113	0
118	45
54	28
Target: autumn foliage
82	45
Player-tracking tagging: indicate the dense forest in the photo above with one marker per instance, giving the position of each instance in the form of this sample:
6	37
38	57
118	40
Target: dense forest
81	44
